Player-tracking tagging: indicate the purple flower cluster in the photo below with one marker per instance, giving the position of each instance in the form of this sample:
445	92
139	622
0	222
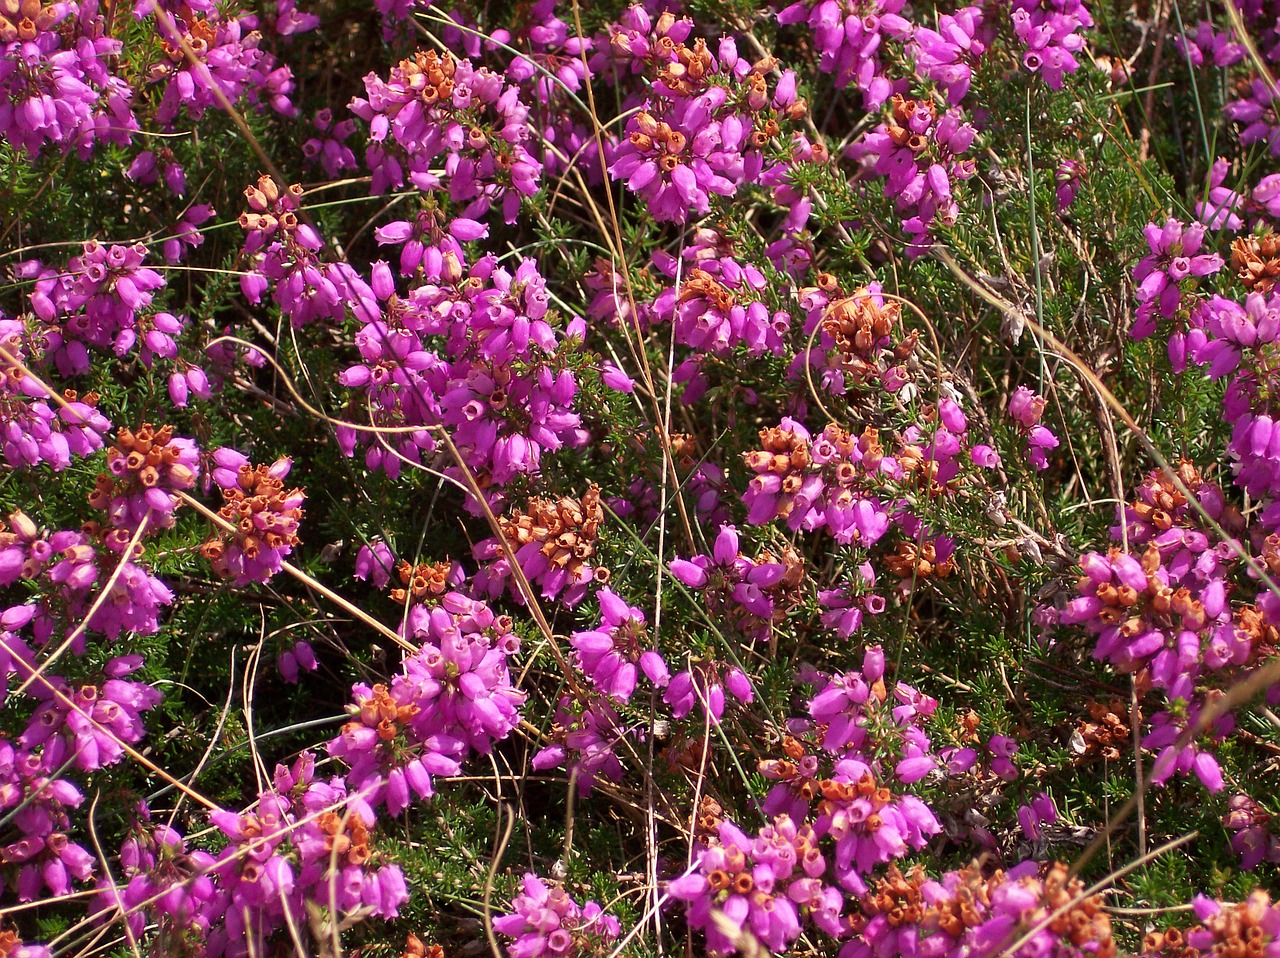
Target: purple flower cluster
303	845
967	913
613	654
1251	98
145	470
98	301
1149	611
918	154
1252	836
1049	30
750	594
230	62
473	350
584	739
761	885
705	684
850	38
56	84
163	881
718	305
547	923
328	147
554	544
265	516
1025	409
845	607
36	802
1165	610
433	106
549	71
283	253
948	54
453	696
819	484
66	567
33	431
1173	268
704	129
857	715
86	727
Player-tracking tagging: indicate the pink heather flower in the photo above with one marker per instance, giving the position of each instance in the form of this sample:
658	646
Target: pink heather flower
264	514
1068	176
585	739
1001	749
547	923
948	54
749	592
294	659
145	470
1251	835
849	39
1221	209
87	726
454	696
1026	408
1175	261
756	883
1039	811
34	431
614	654
97	301
984	456
918	178
374	563
432	106
1050	30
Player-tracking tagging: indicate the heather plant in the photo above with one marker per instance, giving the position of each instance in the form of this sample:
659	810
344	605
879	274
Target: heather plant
649	477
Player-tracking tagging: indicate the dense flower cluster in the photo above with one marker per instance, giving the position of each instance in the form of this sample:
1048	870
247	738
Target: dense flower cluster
265	517
34	431
750	593
547	922
705	128
209	57
434	105
716	306
68	567
966	913
819	484
554	544
284	253
850	38
740	289
760	884
919	153
452	697
1174	265
863	344
99	300
474	351
304	844
56	83
1165	610
144	470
